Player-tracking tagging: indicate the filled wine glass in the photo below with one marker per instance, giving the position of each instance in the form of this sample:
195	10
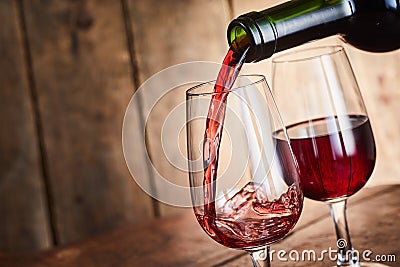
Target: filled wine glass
329	130
245	190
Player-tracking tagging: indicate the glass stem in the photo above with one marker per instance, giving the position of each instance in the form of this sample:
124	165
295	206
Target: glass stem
260	258
346	255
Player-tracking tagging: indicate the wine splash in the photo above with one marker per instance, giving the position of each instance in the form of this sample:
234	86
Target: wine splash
250	219
227	75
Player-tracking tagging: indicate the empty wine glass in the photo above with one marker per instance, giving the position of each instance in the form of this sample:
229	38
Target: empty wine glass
245	190
329	130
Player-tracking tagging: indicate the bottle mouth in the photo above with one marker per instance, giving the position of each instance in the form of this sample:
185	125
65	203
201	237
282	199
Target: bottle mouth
253	30
240	35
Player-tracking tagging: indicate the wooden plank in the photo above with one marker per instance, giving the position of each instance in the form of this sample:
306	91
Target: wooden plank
83	77
241	7
172	32
168	33
180	241
373	226
172	241
24	223
314	211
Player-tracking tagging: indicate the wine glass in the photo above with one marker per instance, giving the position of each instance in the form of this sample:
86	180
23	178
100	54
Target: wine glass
329	130
245	191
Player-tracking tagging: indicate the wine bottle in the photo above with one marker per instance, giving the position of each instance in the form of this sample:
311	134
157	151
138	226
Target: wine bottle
370	25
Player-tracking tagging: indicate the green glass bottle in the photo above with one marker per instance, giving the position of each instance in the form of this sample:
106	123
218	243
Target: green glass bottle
370	25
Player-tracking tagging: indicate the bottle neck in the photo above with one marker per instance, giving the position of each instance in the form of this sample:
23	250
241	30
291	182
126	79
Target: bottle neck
257	32
287	25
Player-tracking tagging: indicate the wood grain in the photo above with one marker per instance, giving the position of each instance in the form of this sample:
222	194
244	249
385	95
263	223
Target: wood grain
82	74
314	211
168	33
372	224
82	77
173	241
23	208
179	240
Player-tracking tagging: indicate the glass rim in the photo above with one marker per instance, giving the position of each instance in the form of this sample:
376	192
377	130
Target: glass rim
190	93
320	51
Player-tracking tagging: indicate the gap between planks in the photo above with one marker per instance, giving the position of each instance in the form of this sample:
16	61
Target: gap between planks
37	123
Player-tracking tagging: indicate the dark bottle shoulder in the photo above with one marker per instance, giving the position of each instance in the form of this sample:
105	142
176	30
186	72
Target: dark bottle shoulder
374	29
376	5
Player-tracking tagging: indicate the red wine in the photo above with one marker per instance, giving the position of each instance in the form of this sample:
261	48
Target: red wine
214	125
249	219
335	155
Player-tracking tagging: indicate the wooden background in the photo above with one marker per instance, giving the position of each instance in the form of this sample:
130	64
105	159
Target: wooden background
67	71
